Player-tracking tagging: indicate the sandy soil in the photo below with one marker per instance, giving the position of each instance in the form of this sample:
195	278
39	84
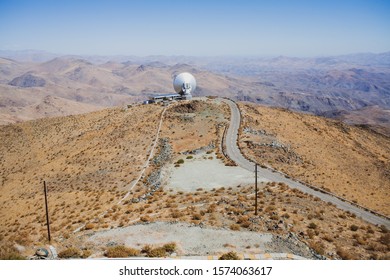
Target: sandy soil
196	240
192	240
349	161
205	173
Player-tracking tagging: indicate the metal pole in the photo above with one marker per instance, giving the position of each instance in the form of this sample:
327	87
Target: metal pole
47	211
255	188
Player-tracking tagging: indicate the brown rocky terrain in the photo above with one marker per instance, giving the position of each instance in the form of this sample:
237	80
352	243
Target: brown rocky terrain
350	161
330	86
90	161
87	161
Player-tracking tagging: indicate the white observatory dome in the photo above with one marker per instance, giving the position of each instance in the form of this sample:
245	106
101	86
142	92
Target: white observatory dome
184	83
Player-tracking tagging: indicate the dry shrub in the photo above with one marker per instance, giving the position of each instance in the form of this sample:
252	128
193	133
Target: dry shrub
318	247
9	252
146	249
197	217
310	233
270	209
242	219
354	227
246	224
121	252
384	229
312	226
229	256
358	240
328	238
274	217
170	247
176	214
344	254
89	226
234	227
385	239
377	247
145	218
211	208
286	215
370	230
157	253
70	253
86	253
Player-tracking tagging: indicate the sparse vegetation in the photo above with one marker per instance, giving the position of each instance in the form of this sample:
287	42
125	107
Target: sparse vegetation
354	227
9	252
312	226
229	256
235	227
161	252
86	173
318	247
170	247
91	180
70	253
89	226
344	254
157	253
345	155
121	252
146	249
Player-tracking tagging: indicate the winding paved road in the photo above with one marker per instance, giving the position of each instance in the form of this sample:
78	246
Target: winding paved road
234	153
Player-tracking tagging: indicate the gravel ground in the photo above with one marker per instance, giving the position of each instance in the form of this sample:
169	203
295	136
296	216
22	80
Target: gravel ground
201	172
191	240
199	241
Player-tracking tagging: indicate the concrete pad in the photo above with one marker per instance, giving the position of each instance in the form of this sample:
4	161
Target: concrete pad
201	172
191	240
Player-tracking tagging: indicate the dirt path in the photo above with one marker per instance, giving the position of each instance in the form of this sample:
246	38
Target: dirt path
135	182
235	154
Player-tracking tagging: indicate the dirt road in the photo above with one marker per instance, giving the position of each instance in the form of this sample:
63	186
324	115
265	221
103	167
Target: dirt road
235	154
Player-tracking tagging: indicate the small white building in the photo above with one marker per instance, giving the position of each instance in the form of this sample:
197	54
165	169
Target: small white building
164	97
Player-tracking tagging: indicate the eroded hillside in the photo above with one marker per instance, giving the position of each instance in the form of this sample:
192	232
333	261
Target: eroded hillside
88	162
203	121
349	161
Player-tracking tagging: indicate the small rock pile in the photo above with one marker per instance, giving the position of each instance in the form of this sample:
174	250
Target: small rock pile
256	132
153	181
165	153
209	147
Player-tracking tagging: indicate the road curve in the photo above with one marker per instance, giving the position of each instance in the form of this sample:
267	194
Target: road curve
234	153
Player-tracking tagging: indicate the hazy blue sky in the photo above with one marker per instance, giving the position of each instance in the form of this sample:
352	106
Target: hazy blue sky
263	28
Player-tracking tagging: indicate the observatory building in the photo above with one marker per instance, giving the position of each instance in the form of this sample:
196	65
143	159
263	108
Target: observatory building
184	85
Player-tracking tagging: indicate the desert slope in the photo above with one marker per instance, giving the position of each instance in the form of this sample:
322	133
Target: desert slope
350	161
91	161
88	162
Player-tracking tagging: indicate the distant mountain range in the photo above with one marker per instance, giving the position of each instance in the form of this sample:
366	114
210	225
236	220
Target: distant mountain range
332	86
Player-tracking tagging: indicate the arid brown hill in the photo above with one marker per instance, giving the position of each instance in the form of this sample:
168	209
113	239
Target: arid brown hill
318	85
352	162
88	162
